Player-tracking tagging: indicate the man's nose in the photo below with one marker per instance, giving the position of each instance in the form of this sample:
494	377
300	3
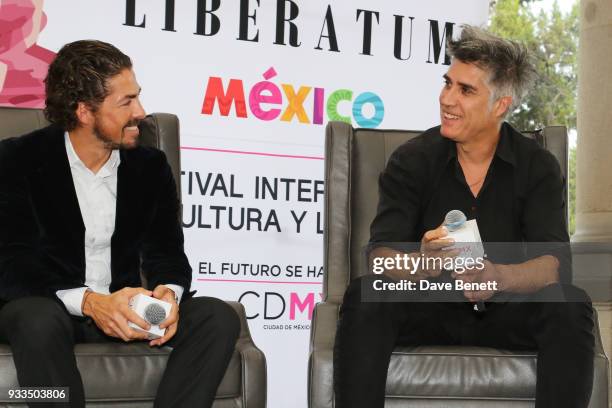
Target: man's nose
139	112
447	97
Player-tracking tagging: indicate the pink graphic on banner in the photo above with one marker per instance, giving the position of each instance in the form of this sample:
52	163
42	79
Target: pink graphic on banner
23	64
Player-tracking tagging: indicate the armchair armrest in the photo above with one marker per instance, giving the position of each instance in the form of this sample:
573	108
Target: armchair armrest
320	361
253	364
324	324
601	378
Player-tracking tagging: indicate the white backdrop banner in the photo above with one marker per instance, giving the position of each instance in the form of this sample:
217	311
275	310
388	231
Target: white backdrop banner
254	82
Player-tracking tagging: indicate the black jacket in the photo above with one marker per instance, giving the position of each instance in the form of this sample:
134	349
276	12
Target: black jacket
42	234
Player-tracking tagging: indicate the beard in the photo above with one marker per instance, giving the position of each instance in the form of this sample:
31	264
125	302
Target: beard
108	140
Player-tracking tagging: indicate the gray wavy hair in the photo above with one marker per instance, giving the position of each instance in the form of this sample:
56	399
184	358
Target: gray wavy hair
509	63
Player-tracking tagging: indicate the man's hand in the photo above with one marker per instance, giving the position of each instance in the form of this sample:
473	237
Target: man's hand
432	246
490	273
166	294
111	313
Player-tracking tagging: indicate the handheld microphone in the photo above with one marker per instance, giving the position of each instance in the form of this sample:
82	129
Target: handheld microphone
454	220
153	311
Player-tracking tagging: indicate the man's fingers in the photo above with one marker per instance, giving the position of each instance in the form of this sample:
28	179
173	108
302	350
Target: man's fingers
156	342
451	253
170	332
133	317
462	276
471	295
434	273
117	331
477	295
434	258
123	330
160	291
131	292
438	244
130	333
142	291
171	319
138	335
134	334
439	232
467	275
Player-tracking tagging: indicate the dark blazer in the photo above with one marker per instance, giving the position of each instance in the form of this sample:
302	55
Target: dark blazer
42	233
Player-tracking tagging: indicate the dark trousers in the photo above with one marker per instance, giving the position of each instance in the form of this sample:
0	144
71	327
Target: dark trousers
42	336
561	333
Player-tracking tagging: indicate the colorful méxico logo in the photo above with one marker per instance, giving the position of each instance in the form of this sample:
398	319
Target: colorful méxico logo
265	97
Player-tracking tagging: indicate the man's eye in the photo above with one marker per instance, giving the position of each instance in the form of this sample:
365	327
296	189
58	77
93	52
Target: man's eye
466	91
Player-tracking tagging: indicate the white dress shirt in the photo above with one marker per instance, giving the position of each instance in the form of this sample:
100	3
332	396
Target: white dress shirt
97	195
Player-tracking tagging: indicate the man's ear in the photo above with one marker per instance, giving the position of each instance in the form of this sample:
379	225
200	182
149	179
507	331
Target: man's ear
84	114
502	105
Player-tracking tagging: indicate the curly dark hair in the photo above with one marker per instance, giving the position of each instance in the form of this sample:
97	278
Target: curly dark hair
80	73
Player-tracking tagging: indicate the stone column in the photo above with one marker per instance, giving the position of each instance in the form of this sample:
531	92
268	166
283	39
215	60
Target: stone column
594	156
593	262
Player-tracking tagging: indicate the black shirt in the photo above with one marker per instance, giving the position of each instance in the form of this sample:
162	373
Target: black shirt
522	198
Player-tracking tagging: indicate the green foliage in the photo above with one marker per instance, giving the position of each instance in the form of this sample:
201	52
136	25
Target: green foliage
553	39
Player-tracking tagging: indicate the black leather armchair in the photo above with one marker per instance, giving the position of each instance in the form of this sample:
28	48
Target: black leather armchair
108	369
432	377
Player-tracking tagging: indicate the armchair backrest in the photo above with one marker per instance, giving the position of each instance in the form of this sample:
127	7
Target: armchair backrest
160	130
354	159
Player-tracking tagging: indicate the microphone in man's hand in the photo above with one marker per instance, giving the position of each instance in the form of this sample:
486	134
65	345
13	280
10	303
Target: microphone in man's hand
154	313
454	220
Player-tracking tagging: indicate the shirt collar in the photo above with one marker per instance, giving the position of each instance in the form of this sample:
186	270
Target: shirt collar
75	161
504	149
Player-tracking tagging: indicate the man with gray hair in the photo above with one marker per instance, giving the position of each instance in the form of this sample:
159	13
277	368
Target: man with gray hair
477	163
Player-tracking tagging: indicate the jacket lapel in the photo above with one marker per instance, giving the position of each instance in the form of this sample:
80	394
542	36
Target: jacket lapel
128	203
57	201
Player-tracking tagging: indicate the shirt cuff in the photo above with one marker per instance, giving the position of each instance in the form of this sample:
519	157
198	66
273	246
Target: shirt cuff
178	291
72	299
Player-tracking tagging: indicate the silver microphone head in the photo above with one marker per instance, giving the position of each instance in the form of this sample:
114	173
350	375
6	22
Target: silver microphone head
454	220
154	313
